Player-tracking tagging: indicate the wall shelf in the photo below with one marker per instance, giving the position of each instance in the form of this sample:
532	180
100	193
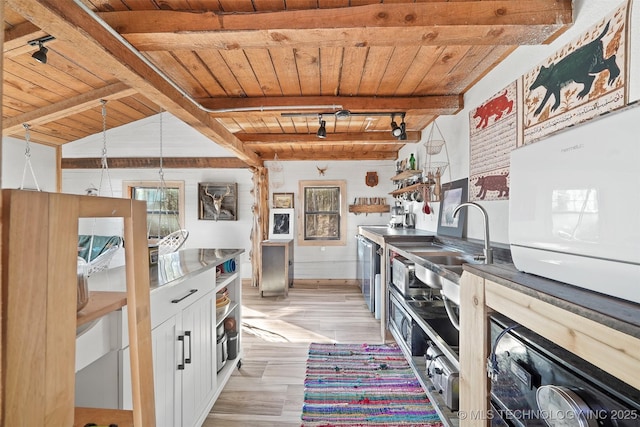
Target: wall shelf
367	209
407	189
406	175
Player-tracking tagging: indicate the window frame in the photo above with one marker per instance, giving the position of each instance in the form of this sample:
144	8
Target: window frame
128	186
302	213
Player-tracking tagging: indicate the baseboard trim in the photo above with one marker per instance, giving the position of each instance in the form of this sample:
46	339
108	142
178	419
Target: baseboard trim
332	282
316	282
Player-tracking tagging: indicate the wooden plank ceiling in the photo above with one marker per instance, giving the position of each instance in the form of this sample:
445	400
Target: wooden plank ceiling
254	76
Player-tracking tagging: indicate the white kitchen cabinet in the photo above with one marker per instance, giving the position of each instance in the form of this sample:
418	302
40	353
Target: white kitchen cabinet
165	359
183	321
198	364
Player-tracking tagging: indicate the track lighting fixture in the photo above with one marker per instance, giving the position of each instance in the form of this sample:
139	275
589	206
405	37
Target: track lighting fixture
322	130
395	129
398	131
41	54
403	131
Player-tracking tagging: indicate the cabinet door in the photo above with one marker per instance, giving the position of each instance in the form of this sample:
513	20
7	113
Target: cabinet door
167	354
199	374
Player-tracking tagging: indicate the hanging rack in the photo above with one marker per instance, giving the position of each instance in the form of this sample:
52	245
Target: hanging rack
27	158
175	239
434	170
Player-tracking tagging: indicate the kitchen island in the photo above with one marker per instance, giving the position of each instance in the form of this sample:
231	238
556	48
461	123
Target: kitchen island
190	349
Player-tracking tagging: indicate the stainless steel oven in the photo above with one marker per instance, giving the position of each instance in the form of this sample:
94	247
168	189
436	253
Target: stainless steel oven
413	337
536	383
403	277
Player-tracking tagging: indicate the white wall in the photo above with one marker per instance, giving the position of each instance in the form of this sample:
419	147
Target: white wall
43	163
337	262
455	128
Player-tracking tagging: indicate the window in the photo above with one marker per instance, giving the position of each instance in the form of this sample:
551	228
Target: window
164	214
323	221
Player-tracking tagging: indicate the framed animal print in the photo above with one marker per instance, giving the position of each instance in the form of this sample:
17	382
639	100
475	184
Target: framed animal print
218	201
582	80
281	224
494	132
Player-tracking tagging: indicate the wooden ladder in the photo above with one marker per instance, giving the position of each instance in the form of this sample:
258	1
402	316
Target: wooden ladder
38	309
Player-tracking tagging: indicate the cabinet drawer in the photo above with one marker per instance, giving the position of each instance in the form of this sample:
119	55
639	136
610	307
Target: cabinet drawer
167	301
171	299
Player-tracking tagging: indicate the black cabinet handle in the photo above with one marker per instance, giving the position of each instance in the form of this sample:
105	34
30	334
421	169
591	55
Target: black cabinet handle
191	292
181	365
188	334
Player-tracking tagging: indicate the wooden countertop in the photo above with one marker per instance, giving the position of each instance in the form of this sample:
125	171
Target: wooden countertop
101	303
618	314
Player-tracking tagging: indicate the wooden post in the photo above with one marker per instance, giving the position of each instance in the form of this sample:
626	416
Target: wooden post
259	231
474	349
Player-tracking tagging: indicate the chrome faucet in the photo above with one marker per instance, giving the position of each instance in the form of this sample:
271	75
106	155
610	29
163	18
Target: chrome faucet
487	252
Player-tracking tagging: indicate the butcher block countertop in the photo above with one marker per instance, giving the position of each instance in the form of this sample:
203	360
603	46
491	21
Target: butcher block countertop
101	303
618	314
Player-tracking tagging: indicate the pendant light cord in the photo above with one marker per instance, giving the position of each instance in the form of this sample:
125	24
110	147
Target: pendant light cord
27	159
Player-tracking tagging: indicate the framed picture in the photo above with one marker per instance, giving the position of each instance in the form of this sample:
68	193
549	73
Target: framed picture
453	193
281	223
218	201
283	200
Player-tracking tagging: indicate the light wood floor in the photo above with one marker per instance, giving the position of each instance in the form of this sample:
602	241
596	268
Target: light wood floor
268	390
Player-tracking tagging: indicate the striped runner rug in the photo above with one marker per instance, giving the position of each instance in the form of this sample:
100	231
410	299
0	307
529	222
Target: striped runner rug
363	385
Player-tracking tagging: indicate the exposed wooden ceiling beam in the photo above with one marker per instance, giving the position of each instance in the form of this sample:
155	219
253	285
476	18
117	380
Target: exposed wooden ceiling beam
154	162
388	24
17	37
66	21
77	104
444	104
351	138
332	155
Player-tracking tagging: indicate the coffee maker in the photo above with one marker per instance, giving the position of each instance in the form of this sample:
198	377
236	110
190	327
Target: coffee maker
397	216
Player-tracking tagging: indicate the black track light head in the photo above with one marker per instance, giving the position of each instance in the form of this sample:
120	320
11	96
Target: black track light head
322	130
403	132
395	130
41	54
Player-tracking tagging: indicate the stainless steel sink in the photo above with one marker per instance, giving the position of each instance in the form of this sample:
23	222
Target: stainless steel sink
448	260
454	258
428	276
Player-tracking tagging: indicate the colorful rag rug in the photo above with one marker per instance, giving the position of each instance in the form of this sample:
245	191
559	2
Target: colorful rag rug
363	385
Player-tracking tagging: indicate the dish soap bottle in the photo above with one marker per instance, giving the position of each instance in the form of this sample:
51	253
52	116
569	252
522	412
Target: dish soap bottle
412	162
